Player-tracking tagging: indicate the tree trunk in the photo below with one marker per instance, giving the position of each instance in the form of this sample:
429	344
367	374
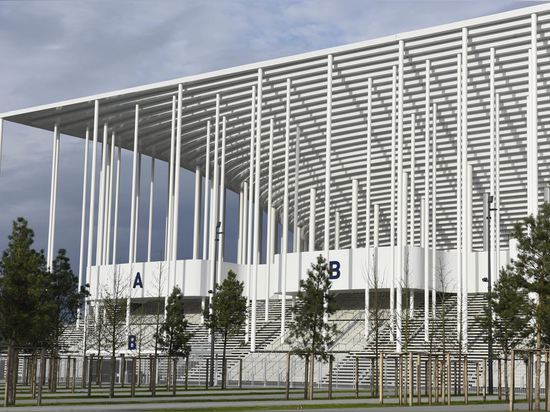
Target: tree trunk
506	388
113	375
223	359
311	376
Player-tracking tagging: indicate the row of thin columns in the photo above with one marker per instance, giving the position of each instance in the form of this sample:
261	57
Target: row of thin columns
249	252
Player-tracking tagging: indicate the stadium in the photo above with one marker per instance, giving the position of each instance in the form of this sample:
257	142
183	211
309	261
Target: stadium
403	160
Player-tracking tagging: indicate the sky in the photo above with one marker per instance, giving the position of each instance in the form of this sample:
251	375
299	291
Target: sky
57	50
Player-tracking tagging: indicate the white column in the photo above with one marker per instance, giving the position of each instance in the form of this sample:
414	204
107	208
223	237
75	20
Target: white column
245	222
312	200
426	201
131	256
170	217
53	197
497	185
151	205
413	180
337	230
250	211
117	191
392	204
221	207
296	239
466	186
400	201
109	202
83	213
270	218
354	204
459	228
468	247
102	196
206	217
92	191
369	268
138	197
240	227
197	212
328	151
492	161
434	206
424	243
257	221
215	193
532	123
284	245
177	174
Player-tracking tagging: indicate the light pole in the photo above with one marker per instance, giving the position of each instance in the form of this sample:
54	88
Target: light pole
212	292
488	200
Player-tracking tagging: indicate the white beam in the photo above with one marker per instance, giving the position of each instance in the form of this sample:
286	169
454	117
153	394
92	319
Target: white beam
296	238
131	251
312	200
197	212
53	197
270	218
354	205
328	152
426	200
83	213
221	207
207	190
284	245
151	206
117	192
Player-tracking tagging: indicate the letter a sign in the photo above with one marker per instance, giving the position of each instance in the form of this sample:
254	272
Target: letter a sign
137	281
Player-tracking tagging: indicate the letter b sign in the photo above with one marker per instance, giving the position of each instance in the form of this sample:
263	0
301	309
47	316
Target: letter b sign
132	345
334	269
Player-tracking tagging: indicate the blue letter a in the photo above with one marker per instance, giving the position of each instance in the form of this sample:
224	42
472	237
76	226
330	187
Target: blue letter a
138	281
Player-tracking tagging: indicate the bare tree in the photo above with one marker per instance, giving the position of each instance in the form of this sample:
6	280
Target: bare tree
407	310
376	314
115	306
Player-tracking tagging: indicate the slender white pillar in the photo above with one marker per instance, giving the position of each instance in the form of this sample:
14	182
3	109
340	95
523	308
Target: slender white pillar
296	190
83	214
170	216
92	192
117	192
245	222
424	239
413	180
215	193
53	197
109	202
497	185
492	160
270	218
240	227
102	197
328	151
257	221
426	201
354	205
197	212
532	123
221	207
207	190
138	197
249	238
337	230
468	247
466	186
284	245
151	205
369	269
434	207
459	227
392	204
177	175
312	201
401	225
131	256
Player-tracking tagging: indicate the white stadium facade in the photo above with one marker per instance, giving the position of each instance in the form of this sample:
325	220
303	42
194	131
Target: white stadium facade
378	155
